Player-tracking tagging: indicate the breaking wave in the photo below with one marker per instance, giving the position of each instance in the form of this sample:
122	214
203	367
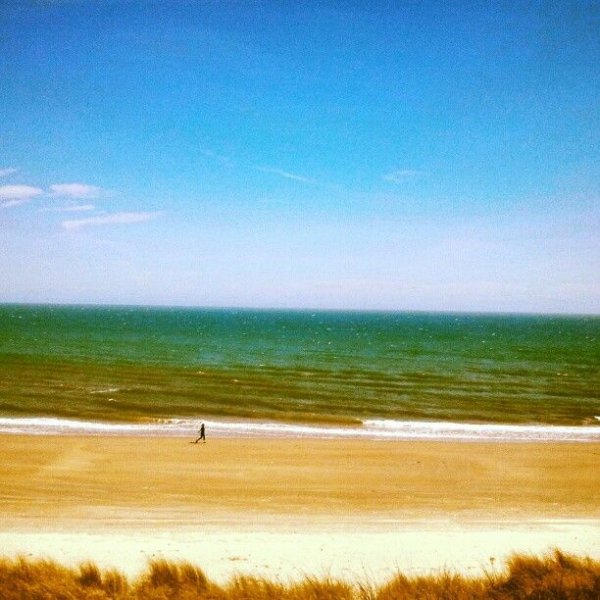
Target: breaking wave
374	429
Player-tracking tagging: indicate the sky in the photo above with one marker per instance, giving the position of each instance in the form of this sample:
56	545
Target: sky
405	155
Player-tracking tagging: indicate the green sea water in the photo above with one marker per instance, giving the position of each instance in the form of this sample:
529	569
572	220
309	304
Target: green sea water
133	364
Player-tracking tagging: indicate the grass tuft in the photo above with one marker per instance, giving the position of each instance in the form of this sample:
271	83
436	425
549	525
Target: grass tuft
556	576
90	575
314	589
445	586
165	579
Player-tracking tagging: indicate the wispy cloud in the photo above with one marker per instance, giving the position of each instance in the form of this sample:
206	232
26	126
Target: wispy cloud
77	190
13	195
402	175
72	208
121	218
286	174
9	171
11	203
18	192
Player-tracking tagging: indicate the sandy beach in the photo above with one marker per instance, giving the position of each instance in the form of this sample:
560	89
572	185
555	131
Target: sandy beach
285	508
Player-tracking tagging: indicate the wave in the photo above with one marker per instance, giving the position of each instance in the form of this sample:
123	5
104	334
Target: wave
374	429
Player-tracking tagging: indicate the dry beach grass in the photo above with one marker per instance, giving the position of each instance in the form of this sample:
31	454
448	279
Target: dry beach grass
553	577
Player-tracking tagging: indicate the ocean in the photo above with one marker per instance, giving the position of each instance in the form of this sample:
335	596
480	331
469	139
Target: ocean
383	375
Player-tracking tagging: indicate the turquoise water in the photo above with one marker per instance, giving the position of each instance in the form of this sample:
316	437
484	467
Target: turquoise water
116	364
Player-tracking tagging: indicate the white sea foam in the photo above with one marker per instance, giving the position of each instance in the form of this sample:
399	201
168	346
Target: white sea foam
377	429
57	426
483	431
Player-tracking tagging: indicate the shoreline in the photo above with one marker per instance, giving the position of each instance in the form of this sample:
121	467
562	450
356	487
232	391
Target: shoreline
285	508
367	429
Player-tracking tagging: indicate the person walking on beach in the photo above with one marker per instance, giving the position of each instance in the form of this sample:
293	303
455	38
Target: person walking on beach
202	434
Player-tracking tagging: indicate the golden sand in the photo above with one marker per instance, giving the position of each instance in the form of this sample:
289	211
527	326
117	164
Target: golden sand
51	479
158	490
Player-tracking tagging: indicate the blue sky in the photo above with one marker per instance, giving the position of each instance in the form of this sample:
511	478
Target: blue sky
388	155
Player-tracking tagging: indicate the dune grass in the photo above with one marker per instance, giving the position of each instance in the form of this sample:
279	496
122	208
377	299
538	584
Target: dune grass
556	576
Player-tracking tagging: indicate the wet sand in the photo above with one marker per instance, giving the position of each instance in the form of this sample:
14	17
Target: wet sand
288	507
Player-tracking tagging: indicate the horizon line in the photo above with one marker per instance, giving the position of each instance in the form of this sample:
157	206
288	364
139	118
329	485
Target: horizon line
300	309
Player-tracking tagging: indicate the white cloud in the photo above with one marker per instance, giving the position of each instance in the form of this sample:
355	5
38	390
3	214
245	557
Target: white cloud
11	203
79	208
73	208
13	195
76	190
402	175
286	174
9	171
121	218
18	192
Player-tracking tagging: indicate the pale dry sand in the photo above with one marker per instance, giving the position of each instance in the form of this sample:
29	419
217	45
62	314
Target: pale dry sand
284	508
